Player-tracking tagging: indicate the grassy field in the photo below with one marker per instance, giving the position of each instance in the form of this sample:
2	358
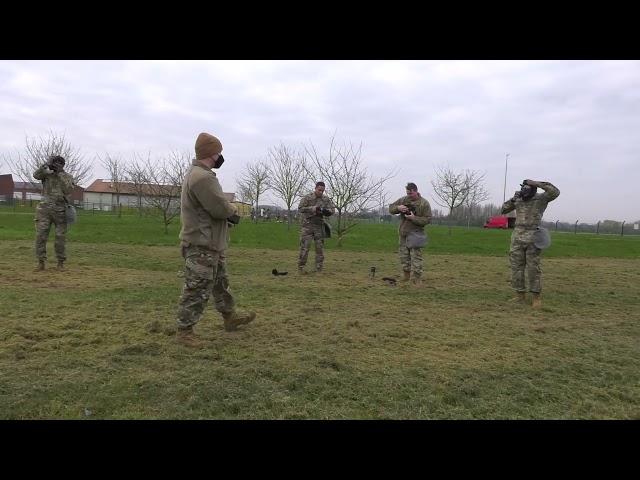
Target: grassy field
96	341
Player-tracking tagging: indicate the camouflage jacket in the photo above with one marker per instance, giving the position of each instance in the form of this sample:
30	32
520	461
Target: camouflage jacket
422	215
529	212
204	209
56	186
307	208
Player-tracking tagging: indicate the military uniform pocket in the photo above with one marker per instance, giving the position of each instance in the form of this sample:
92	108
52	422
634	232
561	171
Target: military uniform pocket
200	266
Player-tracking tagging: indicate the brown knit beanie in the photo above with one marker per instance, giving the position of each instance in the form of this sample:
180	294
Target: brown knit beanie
207	146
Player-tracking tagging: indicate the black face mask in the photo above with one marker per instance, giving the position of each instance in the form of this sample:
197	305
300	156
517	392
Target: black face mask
219	162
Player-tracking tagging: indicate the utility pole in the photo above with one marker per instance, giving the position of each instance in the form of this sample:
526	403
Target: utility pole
504	192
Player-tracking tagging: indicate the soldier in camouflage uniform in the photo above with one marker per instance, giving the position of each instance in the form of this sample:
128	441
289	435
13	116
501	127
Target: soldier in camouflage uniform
314	207
57	186
529	207
204	213
416	213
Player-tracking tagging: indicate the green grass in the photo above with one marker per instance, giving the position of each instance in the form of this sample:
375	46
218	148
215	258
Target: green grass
135	230
86	343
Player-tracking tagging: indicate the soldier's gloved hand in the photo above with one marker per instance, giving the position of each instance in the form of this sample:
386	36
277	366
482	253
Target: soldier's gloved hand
403	208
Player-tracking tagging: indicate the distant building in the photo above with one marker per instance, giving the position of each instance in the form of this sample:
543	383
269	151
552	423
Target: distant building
102	195
23	191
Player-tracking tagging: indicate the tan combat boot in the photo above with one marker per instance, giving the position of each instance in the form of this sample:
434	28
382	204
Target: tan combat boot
519	297
416	281
234	319
60	266
406	277
536	300
40	266
188	338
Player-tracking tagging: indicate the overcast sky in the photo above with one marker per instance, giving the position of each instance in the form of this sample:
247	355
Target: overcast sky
573	123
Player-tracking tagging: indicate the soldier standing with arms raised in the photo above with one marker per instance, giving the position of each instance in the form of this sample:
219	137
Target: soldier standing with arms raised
528	238
57	186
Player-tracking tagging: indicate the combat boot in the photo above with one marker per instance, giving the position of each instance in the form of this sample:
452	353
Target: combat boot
188	338
416	281
234	319
301	271
60	266
519	297
406	277
40	266
536	300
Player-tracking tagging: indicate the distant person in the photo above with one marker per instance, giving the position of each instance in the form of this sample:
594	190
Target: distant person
57	186
204	211
313	208
415	212
528	238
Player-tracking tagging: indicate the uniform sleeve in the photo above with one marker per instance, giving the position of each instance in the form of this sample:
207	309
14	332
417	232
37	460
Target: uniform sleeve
508	206
331	206
42	172
208	192
425	216
68	185
305	206
551	192
393	208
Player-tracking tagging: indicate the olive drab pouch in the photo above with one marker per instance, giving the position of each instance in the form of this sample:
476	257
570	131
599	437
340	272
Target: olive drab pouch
327	229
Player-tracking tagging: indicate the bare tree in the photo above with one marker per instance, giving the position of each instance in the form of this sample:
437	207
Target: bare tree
454	189
117	174
288	175
253	183
383	203
348	182
136	173
165	178
38	150
476	193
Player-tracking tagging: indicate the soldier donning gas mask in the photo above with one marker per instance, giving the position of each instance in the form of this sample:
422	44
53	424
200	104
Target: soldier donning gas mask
56	163
526	191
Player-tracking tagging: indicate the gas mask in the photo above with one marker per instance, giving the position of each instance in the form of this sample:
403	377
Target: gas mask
527	191
56	163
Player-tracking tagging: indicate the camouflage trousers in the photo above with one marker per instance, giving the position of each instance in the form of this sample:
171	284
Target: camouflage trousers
46	215
410	258
310	234
524	255
204	274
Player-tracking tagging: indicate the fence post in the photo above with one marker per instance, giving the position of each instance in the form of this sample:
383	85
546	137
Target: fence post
622	229
575	227
557	225
598	228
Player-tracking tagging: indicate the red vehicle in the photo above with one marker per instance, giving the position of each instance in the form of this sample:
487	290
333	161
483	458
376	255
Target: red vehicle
500	221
